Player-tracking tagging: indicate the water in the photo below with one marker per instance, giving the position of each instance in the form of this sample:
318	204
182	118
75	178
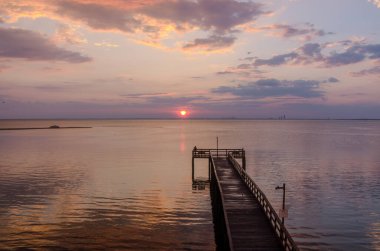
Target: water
126	184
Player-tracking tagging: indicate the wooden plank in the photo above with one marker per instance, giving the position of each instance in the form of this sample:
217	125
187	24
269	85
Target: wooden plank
249	227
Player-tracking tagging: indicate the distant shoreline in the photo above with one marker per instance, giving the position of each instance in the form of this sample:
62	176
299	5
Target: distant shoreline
39	128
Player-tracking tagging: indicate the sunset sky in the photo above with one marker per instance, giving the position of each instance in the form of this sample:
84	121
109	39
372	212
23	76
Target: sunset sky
212	58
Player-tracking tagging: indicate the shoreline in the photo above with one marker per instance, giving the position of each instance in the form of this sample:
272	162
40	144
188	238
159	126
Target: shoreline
39	128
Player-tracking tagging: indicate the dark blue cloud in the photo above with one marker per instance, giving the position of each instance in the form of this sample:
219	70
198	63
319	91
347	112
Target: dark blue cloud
276	60
372	49
314	53
274	88
344	58
311	50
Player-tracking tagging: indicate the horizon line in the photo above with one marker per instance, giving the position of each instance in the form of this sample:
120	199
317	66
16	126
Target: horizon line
197	118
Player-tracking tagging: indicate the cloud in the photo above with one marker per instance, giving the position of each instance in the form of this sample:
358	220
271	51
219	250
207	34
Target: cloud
344	58
226	72
69	34
276	60
353	54
4	67
25	44
217	15
308	31
274	88
106	44
150	21
147	95
325	54
330	80
166	99
372	71
99	16
311	50
333	80
245	69
211	43
237	108
375	2
174	101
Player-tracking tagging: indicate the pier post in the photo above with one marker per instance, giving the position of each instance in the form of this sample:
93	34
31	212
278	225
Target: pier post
217	147
192	169
243	159
209	169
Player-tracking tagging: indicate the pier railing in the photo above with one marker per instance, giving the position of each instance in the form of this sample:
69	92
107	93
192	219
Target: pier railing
275	221
207	153
222	153
222	231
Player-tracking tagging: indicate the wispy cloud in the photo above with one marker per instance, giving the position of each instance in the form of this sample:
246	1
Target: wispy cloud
148	95
211	43
372	71
106	44
247	70
25	44
164	98
306	31
174	101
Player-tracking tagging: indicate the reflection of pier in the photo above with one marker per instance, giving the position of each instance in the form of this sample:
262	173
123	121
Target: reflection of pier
243	217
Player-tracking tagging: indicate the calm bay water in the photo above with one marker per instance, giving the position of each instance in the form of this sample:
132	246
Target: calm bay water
126	184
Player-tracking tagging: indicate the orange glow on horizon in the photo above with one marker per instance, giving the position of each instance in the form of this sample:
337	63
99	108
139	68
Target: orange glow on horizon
183	113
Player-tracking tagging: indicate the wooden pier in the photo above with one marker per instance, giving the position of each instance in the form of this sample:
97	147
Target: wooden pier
243	217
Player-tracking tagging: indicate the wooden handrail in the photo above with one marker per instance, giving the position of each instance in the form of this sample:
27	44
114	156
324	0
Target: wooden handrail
220	191
275	221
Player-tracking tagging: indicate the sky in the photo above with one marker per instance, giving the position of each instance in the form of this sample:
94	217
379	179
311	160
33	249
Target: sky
213	58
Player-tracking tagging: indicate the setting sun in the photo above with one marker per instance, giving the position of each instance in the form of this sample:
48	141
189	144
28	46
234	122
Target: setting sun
183	113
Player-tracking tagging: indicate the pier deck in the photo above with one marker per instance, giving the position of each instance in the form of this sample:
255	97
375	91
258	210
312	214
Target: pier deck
243	217
249	227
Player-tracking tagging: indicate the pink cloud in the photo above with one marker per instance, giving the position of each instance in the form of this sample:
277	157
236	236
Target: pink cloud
220	19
